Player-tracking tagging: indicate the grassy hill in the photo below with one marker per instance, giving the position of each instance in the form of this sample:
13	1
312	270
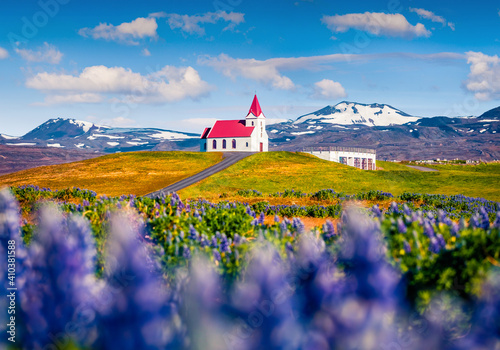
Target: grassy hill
143	172
136	173
276	171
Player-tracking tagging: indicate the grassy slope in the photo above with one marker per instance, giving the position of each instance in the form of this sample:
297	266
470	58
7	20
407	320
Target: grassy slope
276	171
136	173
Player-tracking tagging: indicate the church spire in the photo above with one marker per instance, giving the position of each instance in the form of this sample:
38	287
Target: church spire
255	108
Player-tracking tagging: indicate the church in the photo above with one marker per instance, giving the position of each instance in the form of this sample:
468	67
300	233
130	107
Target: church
247	135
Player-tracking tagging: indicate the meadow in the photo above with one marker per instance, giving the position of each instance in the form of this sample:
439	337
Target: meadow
281	250
136	173
140	173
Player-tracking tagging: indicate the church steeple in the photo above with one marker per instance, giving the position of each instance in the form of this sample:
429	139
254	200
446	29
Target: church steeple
255	108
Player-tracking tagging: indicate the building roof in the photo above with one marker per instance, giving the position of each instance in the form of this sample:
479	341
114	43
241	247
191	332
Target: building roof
255	108
230	128
205	132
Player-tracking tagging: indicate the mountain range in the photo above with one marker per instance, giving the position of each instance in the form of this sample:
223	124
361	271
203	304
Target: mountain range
76	134
395	135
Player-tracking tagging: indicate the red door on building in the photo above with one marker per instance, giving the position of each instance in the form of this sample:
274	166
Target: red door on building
262	147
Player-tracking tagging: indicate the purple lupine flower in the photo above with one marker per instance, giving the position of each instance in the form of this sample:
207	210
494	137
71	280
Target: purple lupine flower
10	233
401	226
135	301
329	229
254	297
186	252
193	234
261	219
376	211
406	247
406	210
201	311
454	229
216	255
475	221
428	229
394	208
484	333
434	246
441	240
224	245
60	280
214	243
298	225
484	219
496	223
204	241
276	218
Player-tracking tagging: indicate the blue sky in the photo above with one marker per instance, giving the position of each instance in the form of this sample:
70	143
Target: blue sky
181	64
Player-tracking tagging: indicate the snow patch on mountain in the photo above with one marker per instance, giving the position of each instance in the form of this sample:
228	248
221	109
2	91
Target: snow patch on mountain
349	113
84	125
21	144
302	132
7	137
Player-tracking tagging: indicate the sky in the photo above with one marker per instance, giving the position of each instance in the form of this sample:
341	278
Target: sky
182	64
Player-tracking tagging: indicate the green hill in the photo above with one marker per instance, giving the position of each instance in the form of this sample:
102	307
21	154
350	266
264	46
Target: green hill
143	172
276	171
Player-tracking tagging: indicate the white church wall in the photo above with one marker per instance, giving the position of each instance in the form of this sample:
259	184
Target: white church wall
241	145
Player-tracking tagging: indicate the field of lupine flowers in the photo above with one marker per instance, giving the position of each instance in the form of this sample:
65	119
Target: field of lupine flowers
412	271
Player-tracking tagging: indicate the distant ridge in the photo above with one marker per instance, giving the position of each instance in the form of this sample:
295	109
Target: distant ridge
491	114
77	134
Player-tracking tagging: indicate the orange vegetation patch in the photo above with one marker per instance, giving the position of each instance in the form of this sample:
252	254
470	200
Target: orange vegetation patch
309	223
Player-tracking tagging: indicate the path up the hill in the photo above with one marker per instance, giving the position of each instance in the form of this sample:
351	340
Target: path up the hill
228	160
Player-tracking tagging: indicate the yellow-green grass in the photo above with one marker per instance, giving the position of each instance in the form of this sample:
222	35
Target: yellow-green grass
276	171
136	173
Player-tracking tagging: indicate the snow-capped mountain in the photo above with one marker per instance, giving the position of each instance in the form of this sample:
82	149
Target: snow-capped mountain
76	134
351	113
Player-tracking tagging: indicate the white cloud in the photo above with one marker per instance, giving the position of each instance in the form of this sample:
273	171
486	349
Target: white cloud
265	72
192	24
145	52
432	17
3	53
168	84
376	23
269	72
46	53
327	89
127	33
484	76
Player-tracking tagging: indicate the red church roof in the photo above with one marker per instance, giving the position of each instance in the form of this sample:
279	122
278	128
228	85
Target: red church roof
230	128
255	108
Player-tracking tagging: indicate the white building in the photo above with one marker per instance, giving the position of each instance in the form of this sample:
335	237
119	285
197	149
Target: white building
362	158
248	135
